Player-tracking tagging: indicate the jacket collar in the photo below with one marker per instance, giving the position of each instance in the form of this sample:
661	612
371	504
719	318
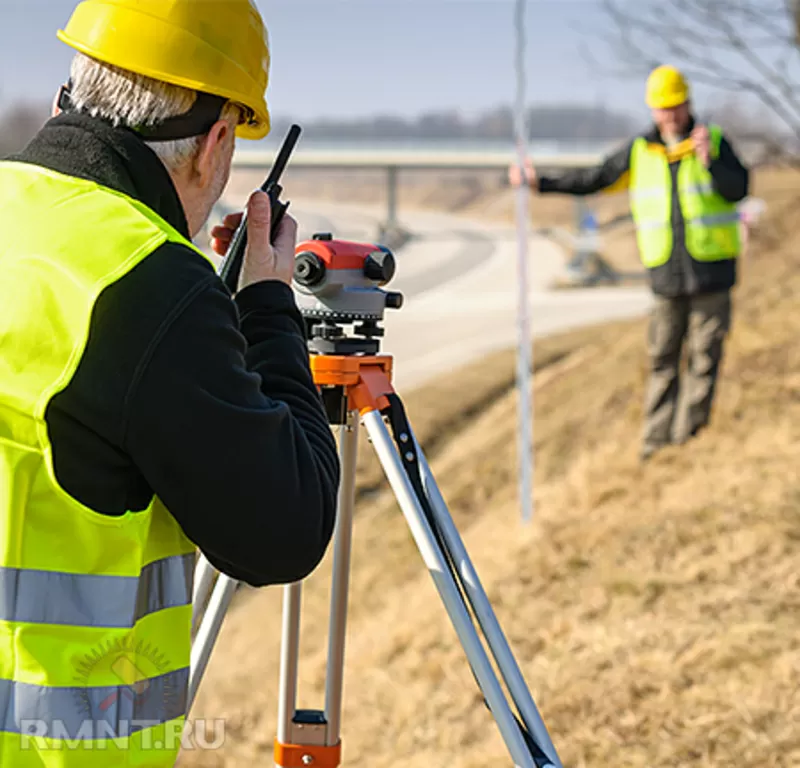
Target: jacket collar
90	148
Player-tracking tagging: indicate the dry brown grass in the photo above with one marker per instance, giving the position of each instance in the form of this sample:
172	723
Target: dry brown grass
655	611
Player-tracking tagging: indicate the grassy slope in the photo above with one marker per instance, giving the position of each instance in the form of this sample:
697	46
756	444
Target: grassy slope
655	611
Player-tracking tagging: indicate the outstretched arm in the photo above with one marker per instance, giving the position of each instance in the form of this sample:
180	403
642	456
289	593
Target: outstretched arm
612	172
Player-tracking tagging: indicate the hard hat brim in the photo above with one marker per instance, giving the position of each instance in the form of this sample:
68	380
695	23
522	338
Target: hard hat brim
258	129
666	102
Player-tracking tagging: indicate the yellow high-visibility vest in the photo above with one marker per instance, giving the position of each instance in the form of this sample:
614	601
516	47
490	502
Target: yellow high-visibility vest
95	611
711	222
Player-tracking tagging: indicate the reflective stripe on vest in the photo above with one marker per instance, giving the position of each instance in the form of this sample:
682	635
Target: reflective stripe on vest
700	221
642	193
90	600
95	611
711	222
117	713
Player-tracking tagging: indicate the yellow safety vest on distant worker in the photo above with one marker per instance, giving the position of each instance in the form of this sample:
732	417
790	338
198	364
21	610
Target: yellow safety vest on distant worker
711	222
95	611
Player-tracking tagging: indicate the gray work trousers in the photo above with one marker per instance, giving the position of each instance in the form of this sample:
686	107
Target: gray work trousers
700	323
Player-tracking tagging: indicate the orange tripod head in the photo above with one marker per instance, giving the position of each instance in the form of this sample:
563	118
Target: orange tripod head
338	284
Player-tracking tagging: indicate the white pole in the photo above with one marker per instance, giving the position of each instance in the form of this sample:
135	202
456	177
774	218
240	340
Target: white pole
525	351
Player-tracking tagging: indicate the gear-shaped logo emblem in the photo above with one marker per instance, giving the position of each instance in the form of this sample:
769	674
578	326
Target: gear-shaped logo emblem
129	670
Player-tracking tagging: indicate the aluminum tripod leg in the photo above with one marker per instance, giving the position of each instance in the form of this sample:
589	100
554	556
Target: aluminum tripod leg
307	736
341	579
207	633
448	589
486	617
290	653
203	576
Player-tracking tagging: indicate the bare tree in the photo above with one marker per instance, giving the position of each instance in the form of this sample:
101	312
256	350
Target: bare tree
750	48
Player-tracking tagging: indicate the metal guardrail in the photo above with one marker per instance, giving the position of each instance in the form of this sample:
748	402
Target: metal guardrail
458	158
412	159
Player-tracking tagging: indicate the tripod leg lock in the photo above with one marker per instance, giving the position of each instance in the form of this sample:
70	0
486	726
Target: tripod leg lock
296	756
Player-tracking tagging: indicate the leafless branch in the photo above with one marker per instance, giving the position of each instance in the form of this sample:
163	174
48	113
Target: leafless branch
738	46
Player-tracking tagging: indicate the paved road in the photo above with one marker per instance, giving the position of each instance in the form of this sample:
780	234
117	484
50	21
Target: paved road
459	280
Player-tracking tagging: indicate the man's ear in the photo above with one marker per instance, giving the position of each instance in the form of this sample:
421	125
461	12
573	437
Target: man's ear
210	152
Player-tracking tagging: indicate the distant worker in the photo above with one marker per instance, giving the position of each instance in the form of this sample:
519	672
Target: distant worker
684	181
144	411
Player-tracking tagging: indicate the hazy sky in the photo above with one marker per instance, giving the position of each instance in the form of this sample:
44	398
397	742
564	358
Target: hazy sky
356	57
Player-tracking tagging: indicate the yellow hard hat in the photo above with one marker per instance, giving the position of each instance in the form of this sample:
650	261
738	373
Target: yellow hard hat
219	47
666	88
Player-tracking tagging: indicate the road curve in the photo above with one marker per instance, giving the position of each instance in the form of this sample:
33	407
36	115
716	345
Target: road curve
459	279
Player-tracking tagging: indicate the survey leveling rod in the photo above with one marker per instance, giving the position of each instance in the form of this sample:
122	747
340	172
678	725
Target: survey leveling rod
525	351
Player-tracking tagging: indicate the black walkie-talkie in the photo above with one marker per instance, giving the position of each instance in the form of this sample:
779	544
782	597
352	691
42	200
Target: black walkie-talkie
235	256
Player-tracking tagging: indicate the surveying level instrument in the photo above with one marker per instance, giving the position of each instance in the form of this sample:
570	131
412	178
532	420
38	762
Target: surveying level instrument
339	290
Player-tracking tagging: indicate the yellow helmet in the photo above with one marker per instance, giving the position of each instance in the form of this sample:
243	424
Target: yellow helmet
666	88
219	47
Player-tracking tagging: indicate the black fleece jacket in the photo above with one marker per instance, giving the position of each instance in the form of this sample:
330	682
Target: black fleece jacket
681	275
185	393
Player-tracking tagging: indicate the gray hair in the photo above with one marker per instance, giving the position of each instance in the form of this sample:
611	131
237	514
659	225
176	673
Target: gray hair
129	99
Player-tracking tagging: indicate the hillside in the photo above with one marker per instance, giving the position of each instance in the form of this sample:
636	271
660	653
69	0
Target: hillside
655	610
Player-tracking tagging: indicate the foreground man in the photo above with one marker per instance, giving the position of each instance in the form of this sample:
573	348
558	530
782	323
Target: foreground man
143	411
688	233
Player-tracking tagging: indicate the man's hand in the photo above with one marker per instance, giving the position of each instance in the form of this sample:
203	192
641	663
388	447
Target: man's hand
262	261
515	175
702	145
